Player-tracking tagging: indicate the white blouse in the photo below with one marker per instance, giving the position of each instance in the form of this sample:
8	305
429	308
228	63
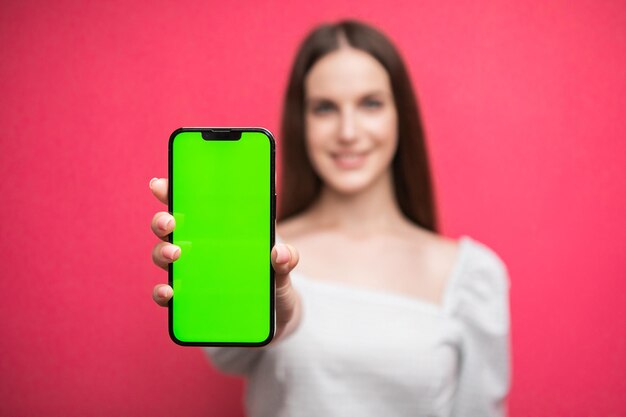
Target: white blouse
362	352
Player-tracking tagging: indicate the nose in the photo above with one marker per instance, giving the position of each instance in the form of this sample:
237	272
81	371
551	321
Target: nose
347	126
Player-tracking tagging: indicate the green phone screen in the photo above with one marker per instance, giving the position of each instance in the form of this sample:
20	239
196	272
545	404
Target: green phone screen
221	196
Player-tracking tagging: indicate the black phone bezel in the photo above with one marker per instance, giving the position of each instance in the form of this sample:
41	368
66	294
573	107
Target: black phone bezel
226	133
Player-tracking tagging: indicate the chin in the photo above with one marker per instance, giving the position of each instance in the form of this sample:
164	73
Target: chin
351	186
353	181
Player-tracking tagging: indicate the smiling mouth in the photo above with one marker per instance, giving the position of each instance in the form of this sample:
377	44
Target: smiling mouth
349	160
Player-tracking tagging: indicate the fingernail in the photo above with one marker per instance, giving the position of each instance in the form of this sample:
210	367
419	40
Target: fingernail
171	252
282	254
164	223
164	292
153	180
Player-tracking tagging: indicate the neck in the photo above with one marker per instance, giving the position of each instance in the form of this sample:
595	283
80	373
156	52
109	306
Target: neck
369	211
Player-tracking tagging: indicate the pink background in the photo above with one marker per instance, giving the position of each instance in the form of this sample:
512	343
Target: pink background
523	104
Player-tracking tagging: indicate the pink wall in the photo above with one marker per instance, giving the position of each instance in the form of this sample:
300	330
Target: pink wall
524	106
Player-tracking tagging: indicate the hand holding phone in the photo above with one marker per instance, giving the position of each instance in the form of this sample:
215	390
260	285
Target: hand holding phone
284	259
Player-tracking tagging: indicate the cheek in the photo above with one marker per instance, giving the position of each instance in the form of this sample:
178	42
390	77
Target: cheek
317	133
313	142
384	128
319	127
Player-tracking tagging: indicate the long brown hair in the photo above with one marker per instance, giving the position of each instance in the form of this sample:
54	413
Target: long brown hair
300	184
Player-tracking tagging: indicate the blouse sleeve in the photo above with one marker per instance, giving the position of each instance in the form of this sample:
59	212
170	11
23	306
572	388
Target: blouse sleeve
481	306
234	360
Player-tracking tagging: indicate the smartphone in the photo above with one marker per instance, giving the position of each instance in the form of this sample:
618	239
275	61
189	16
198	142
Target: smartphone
222	197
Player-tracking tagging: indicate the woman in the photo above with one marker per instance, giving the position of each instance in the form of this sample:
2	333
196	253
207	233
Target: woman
383	316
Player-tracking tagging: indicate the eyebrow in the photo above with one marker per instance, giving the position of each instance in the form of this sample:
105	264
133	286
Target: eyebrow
366	95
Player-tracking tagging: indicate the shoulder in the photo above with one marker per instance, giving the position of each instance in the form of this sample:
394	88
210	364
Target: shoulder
481	260
479	288
437	248
437	253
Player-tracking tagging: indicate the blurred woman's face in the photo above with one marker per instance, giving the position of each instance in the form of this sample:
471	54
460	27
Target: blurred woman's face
351	120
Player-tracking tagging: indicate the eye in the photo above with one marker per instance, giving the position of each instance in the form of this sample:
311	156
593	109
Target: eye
322	107
372	103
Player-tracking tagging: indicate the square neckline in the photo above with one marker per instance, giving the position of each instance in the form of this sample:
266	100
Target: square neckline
396	297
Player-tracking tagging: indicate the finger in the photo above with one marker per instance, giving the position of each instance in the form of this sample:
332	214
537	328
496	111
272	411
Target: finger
164	253
159	189
162	294
163	224
284	259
